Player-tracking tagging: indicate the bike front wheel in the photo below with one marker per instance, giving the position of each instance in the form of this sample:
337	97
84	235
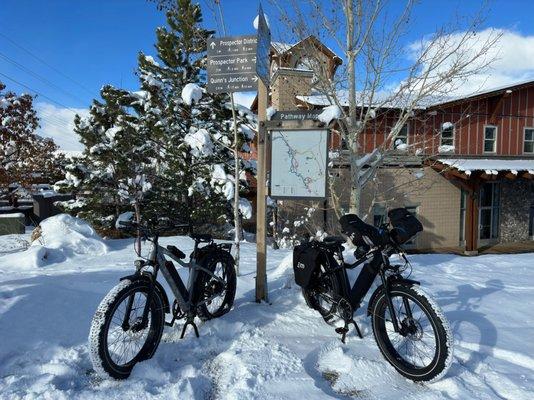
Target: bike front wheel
118	338
421	350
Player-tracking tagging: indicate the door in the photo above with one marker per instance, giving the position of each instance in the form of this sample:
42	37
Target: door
489	213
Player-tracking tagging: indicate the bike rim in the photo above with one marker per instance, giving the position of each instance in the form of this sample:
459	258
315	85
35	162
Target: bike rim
123	346
217	302
418	348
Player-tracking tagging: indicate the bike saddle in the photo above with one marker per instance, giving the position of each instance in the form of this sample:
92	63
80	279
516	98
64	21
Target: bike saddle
201	237
333	241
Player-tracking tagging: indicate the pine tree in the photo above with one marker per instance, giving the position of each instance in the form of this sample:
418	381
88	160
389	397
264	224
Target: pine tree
25	158
171	152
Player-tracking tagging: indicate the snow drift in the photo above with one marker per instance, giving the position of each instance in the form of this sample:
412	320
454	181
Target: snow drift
59	238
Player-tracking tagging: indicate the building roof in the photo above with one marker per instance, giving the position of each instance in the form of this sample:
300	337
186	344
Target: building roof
491	166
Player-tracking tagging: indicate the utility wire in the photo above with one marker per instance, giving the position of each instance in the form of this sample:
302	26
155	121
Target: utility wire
46	63
36	92
40	77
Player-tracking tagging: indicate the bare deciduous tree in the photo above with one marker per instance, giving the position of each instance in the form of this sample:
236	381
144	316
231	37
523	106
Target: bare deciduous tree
381	73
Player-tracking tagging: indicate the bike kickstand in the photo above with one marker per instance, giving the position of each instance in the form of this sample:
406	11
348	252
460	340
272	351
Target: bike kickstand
192	323
358	331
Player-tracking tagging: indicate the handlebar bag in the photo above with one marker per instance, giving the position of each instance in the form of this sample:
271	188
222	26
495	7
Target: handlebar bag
355	229
405	225
304	263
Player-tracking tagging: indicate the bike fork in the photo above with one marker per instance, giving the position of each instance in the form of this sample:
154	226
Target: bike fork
392	312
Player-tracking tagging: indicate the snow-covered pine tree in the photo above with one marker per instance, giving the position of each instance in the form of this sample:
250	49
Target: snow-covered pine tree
170	133
25	158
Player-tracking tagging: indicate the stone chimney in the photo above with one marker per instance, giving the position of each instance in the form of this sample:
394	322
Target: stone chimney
286	84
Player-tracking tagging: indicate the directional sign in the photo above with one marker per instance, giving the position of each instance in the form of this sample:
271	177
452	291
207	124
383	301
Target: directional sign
264	46
232	64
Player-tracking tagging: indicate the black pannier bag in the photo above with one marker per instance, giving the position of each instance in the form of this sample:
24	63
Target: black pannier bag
304	263
405	225
355	229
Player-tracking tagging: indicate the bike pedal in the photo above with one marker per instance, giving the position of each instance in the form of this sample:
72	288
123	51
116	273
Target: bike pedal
341	330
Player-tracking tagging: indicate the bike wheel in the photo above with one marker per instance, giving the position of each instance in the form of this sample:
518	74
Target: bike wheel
117	342
324	294
422	350
218	294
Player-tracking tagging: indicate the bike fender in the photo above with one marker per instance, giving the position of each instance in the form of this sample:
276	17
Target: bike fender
380	289
158	287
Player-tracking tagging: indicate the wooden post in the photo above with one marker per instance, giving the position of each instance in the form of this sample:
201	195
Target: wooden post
261	188
471	222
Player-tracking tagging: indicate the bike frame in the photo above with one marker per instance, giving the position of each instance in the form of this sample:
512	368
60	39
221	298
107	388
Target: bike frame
377	263
185	296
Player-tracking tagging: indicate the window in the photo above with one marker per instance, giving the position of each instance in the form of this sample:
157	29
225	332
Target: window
528	143
402	138
447	134
489	210
490	139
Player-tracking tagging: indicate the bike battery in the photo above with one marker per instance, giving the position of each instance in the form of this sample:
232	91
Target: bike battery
174	280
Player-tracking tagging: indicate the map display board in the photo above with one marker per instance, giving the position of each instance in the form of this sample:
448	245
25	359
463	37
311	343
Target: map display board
299	162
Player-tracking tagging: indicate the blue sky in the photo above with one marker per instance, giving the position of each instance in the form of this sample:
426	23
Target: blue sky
86	43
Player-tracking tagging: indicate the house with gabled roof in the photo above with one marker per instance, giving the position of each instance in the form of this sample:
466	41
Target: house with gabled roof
464	165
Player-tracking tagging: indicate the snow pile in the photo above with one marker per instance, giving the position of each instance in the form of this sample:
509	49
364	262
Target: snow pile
61	237
447	125
222	182
329	113
191	93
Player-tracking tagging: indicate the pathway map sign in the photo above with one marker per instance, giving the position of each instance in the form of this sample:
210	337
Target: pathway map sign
299	163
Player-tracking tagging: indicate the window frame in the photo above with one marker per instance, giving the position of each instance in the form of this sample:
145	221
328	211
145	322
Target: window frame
407	125
453	136
525	140
496	130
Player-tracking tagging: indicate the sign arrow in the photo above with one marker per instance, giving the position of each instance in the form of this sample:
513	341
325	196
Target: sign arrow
255	79
212	44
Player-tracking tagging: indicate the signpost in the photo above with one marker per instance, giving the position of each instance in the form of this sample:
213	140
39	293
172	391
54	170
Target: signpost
241	64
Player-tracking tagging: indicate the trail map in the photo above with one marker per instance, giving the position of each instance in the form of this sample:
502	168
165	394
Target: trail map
298	163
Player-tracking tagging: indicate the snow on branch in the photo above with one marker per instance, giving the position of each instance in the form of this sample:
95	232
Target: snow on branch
330	113
191	93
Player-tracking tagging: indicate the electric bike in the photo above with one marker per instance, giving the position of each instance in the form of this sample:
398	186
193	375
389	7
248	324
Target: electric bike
129	322
409	328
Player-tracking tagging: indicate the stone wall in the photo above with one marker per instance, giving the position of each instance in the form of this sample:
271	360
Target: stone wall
516	198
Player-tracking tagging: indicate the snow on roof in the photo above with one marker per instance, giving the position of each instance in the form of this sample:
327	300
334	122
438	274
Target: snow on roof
490	166
381	99
281	47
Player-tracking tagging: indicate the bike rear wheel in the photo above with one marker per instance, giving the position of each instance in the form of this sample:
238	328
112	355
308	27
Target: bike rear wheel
422	350
323	295
217	292
117	339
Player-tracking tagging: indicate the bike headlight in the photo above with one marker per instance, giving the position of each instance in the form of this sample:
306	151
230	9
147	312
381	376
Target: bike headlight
139	264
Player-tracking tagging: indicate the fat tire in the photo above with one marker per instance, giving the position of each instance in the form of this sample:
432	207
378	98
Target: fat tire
442	361
210	263
98	351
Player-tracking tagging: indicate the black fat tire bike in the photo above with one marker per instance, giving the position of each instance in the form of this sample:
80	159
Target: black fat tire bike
128	324
409	328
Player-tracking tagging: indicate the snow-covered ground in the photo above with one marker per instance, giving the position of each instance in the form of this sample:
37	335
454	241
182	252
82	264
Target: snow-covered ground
260	351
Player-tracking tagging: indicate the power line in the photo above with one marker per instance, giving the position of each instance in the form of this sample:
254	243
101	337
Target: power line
40	77
36	92
46	63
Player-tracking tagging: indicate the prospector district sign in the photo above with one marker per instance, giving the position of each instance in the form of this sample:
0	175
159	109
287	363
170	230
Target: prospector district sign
299	163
